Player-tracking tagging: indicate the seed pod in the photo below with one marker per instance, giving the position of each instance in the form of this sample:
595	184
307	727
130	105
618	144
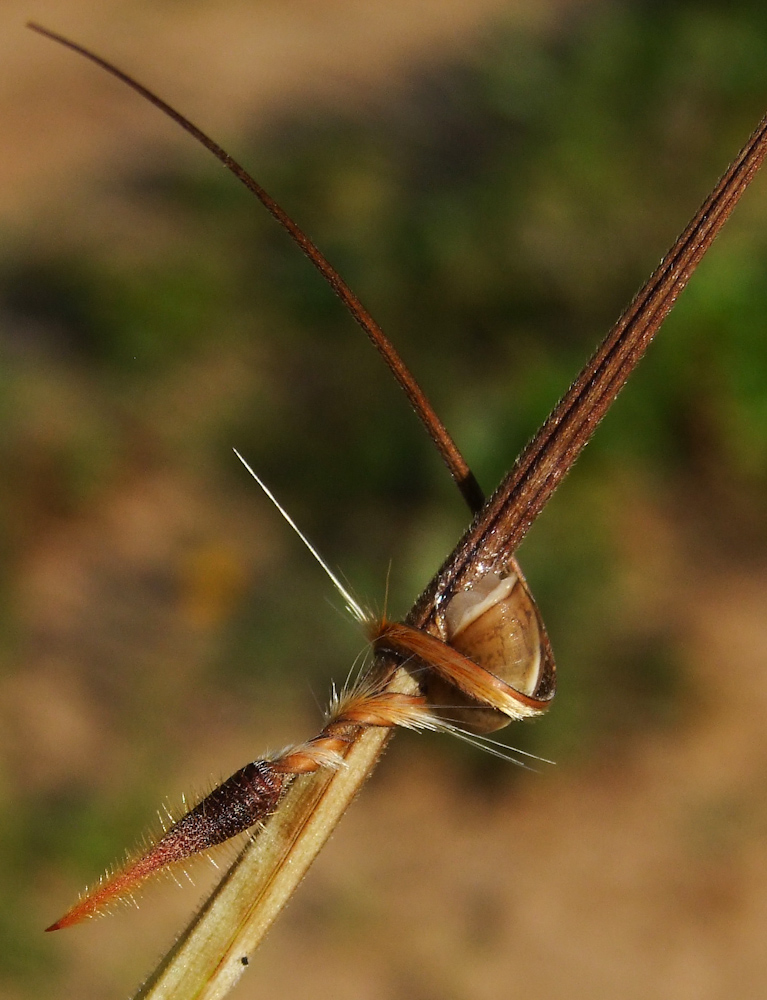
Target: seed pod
237	804
496	624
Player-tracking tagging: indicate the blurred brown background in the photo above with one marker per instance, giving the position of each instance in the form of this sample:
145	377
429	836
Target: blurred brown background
495	180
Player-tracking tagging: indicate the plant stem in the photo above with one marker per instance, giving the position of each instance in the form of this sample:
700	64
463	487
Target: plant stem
207	960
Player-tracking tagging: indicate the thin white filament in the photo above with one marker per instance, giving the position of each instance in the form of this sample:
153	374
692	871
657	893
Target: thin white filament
354	608
497	749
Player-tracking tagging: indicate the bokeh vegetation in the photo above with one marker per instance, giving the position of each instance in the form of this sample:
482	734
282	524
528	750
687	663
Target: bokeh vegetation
495	222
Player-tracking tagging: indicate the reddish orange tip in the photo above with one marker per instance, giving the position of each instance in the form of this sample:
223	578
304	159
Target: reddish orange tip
74	915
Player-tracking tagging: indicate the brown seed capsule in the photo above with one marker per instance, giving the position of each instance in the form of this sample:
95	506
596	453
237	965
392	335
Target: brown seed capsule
237	804
496	624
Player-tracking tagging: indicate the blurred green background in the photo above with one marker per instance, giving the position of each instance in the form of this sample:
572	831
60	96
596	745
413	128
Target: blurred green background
495	209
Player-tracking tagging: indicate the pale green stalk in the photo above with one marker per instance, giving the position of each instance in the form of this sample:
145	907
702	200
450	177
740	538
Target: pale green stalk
212	953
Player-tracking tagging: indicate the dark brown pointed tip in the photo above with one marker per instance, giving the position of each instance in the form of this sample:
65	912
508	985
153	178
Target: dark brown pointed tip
70	918
82	910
